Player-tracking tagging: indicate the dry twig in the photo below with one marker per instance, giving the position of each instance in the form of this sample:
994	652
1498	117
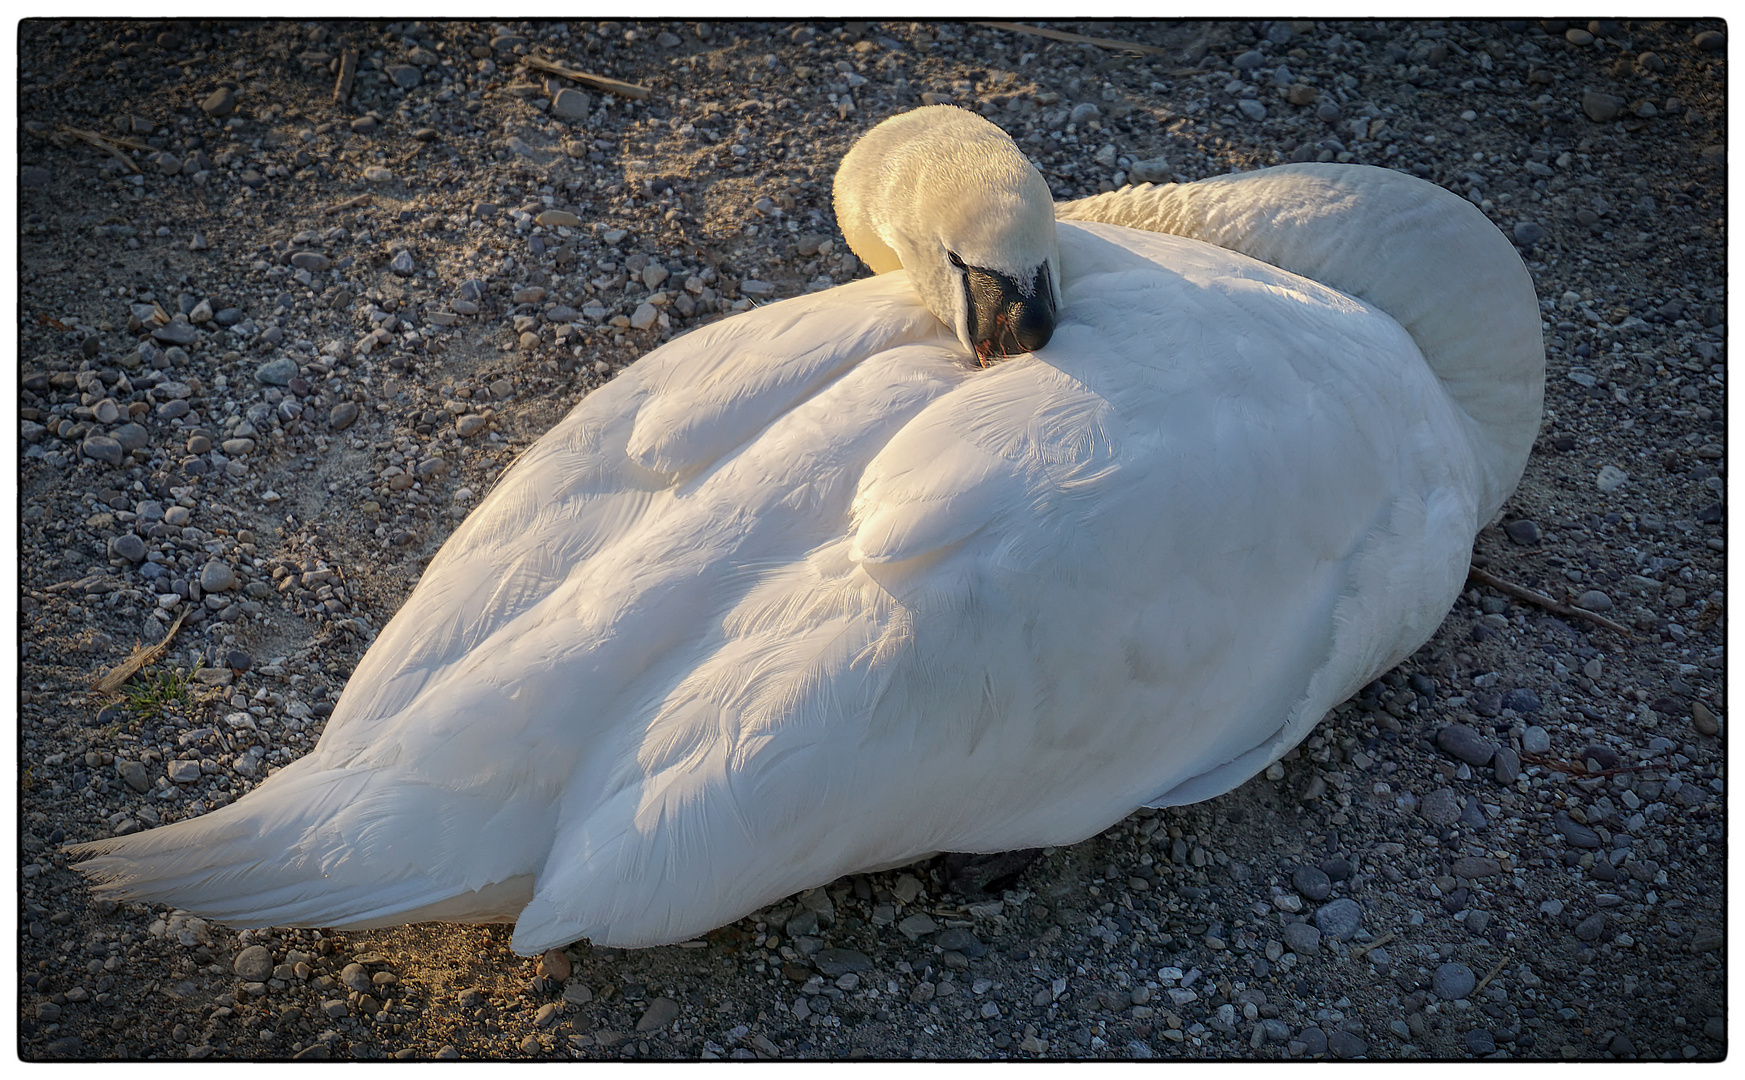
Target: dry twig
597	82
109	143
117	676
1363	950
1482	983
1557	607
360	200
347	72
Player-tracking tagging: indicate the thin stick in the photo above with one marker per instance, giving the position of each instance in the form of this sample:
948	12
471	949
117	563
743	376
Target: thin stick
1521	592
347	72
105	142
1076	39
348	204
598	82
1482	983
118	675
1363	950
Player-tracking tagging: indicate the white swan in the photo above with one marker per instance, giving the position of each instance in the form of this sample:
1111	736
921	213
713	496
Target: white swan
806	592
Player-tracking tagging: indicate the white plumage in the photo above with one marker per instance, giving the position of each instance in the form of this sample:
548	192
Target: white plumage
805	592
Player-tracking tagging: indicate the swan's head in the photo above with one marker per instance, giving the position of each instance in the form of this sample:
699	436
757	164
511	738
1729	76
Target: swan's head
947	196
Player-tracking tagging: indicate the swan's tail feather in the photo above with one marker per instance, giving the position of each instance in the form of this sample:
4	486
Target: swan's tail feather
348	849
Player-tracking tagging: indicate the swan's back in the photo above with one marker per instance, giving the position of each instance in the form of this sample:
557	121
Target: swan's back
802	594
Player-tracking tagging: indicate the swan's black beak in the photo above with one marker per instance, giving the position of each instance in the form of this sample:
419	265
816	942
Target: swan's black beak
1006	317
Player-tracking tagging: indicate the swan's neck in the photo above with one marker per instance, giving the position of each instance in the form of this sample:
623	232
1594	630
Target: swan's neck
1425	256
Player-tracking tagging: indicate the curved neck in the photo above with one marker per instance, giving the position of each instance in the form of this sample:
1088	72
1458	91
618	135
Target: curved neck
1427	257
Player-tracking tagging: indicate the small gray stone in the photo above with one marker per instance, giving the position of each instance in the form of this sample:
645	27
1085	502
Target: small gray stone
1476	866
1710	41
1594	600
570	104
34	176
178	331
237	447
1575	832
128	546
131	436
132	774
1084	113
342	415
101	448
1340	919
405	76
835	962
1441	807
217	576
1479	1041
1346	1045
917	926
1601	108
1590	928
1522	700
1466	744
254	964
1535	740
1452	981
1523	531
220	102
278	372
1251	108
1312	882
661	1012
471	424
957	939
313	261
1302	939
1507	764
1149	171
555	218
402	263
1528	232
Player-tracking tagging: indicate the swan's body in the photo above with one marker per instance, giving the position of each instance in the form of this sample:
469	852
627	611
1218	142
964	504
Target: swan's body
804	593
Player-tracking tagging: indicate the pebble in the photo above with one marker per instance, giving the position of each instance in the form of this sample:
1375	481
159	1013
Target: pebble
1601	107
278	372
1346	1045
1535	740
1528	233
1523	531
254	964
1591	928
661	1012
838	961
101	448
1339	919
1476	866
1302	938
1313	882
1575	832
554	218
571	104
1452	982
1710	41
1466	744
1441	807
217	576
221	102
1479	1041
128	546
1610	478
1594	600
342	416
471	424
1704	720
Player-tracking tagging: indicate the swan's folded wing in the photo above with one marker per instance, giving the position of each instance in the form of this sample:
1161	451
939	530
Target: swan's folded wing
606	473
1015	457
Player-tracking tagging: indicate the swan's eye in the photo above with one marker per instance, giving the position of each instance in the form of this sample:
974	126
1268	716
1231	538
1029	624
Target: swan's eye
955	261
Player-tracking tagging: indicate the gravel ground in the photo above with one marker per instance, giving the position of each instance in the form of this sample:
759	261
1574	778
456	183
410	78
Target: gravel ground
271	357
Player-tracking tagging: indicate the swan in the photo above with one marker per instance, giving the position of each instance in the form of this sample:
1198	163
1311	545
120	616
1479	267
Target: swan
812	591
